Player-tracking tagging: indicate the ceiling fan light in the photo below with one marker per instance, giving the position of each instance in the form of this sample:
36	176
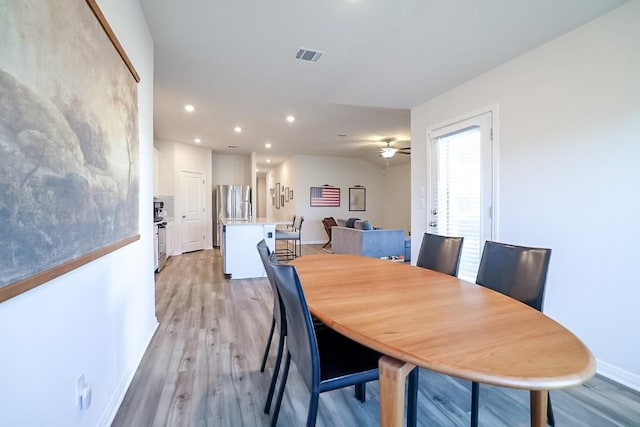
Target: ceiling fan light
388	152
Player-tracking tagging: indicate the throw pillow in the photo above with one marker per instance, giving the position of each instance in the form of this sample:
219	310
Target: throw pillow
366	225
351	221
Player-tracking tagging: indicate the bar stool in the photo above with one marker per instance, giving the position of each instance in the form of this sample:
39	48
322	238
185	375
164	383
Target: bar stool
290	236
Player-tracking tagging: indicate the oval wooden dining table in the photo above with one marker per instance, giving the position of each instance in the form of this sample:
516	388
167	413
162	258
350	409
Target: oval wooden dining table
419	317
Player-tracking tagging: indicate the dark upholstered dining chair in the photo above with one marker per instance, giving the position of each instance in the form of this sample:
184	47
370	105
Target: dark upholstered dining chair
520	273
328	223
442	254
325	359
278	320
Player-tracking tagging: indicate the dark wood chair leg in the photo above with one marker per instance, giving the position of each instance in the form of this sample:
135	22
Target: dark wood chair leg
283	382
551	420
266	350
274	377
360	391
412	398
475	398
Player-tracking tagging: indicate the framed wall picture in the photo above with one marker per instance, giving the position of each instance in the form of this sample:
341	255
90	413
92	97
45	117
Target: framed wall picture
282	200
69	158
290	194
286	194
357	198
325	196
277	196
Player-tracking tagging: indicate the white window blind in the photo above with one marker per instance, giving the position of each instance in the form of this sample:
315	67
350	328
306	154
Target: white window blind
456	193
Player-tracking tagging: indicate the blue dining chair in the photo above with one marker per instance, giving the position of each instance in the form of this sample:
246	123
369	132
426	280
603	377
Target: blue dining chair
521	273
441	254
325	359
277	320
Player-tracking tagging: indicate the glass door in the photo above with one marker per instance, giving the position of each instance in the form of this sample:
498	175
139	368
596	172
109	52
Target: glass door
461	190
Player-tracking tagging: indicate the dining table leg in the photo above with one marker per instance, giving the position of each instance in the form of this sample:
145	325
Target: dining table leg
392	374
538	405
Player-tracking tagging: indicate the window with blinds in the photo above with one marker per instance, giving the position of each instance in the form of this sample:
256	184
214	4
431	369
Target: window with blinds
458	206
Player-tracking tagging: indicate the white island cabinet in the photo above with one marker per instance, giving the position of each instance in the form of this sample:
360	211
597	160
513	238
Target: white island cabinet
240	258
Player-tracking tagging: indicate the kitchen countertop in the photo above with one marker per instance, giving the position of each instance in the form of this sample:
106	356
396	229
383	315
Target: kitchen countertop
254	221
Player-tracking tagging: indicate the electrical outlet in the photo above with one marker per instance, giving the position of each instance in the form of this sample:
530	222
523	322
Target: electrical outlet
83	393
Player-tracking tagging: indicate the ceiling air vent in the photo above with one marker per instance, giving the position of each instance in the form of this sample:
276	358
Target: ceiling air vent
308	55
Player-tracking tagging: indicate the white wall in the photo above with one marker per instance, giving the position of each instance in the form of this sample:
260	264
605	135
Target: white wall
189	158
231	169
568	175
98	319
397	197
166	167
302	172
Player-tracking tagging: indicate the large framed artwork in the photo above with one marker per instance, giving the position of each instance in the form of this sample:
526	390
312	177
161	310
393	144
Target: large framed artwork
326	196
357	198
69	148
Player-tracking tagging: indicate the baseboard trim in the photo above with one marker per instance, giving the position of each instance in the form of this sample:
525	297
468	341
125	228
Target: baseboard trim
117	397
314	242
621	376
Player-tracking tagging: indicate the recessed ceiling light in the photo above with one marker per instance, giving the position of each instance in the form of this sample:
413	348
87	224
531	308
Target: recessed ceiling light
197	140
268	145
189	108
238	129
291	119
268	160
232	146
341	135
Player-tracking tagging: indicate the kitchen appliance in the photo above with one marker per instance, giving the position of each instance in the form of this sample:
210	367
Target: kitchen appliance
158	210
160	235
233	202
162	244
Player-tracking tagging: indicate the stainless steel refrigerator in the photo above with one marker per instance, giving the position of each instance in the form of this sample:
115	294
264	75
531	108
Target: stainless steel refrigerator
232	202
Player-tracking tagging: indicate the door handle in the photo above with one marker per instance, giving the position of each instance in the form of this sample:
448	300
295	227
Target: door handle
433	224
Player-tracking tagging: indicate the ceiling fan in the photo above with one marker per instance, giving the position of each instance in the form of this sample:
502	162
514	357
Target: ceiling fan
388	151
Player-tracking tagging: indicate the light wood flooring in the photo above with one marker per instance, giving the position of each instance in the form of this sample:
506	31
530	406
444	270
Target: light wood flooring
202	368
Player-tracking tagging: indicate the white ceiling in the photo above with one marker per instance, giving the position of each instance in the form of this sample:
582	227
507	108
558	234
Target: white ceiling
234	60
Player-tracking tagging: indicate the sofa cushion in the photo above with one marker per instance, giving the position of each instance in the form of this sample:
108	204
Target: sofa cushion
351	221
365	225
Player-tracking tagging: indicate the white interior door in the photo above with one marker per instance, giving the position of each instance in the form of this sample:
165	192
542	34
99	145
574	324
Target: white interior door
461	190
192	218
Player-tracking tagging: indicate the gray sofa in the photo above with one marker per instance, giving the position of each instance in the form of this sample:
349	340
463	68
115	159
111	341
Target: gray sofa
372	243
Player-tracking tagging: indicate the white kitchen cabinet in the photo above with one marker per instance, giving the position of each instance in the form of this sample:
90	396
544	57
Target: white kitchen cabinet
240	258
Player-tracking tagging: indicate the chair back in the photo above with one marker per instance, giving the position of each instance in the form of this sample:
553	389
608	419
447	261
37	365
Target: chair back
329	222
297	223
516	271
278	307
440	253
301	337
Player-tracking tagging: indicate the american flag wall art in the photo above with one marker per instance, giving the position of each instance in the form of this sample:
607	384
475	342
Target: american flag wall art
325	196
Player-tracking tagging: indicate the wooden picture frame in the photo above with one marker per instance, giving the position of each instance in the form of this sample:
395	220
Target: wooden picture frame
277	195
290	194
76	197
357	199
286	194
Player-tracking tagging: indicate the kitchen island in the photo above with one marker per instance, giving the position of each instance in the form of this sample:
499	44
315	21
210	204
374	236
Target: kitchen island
240	258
